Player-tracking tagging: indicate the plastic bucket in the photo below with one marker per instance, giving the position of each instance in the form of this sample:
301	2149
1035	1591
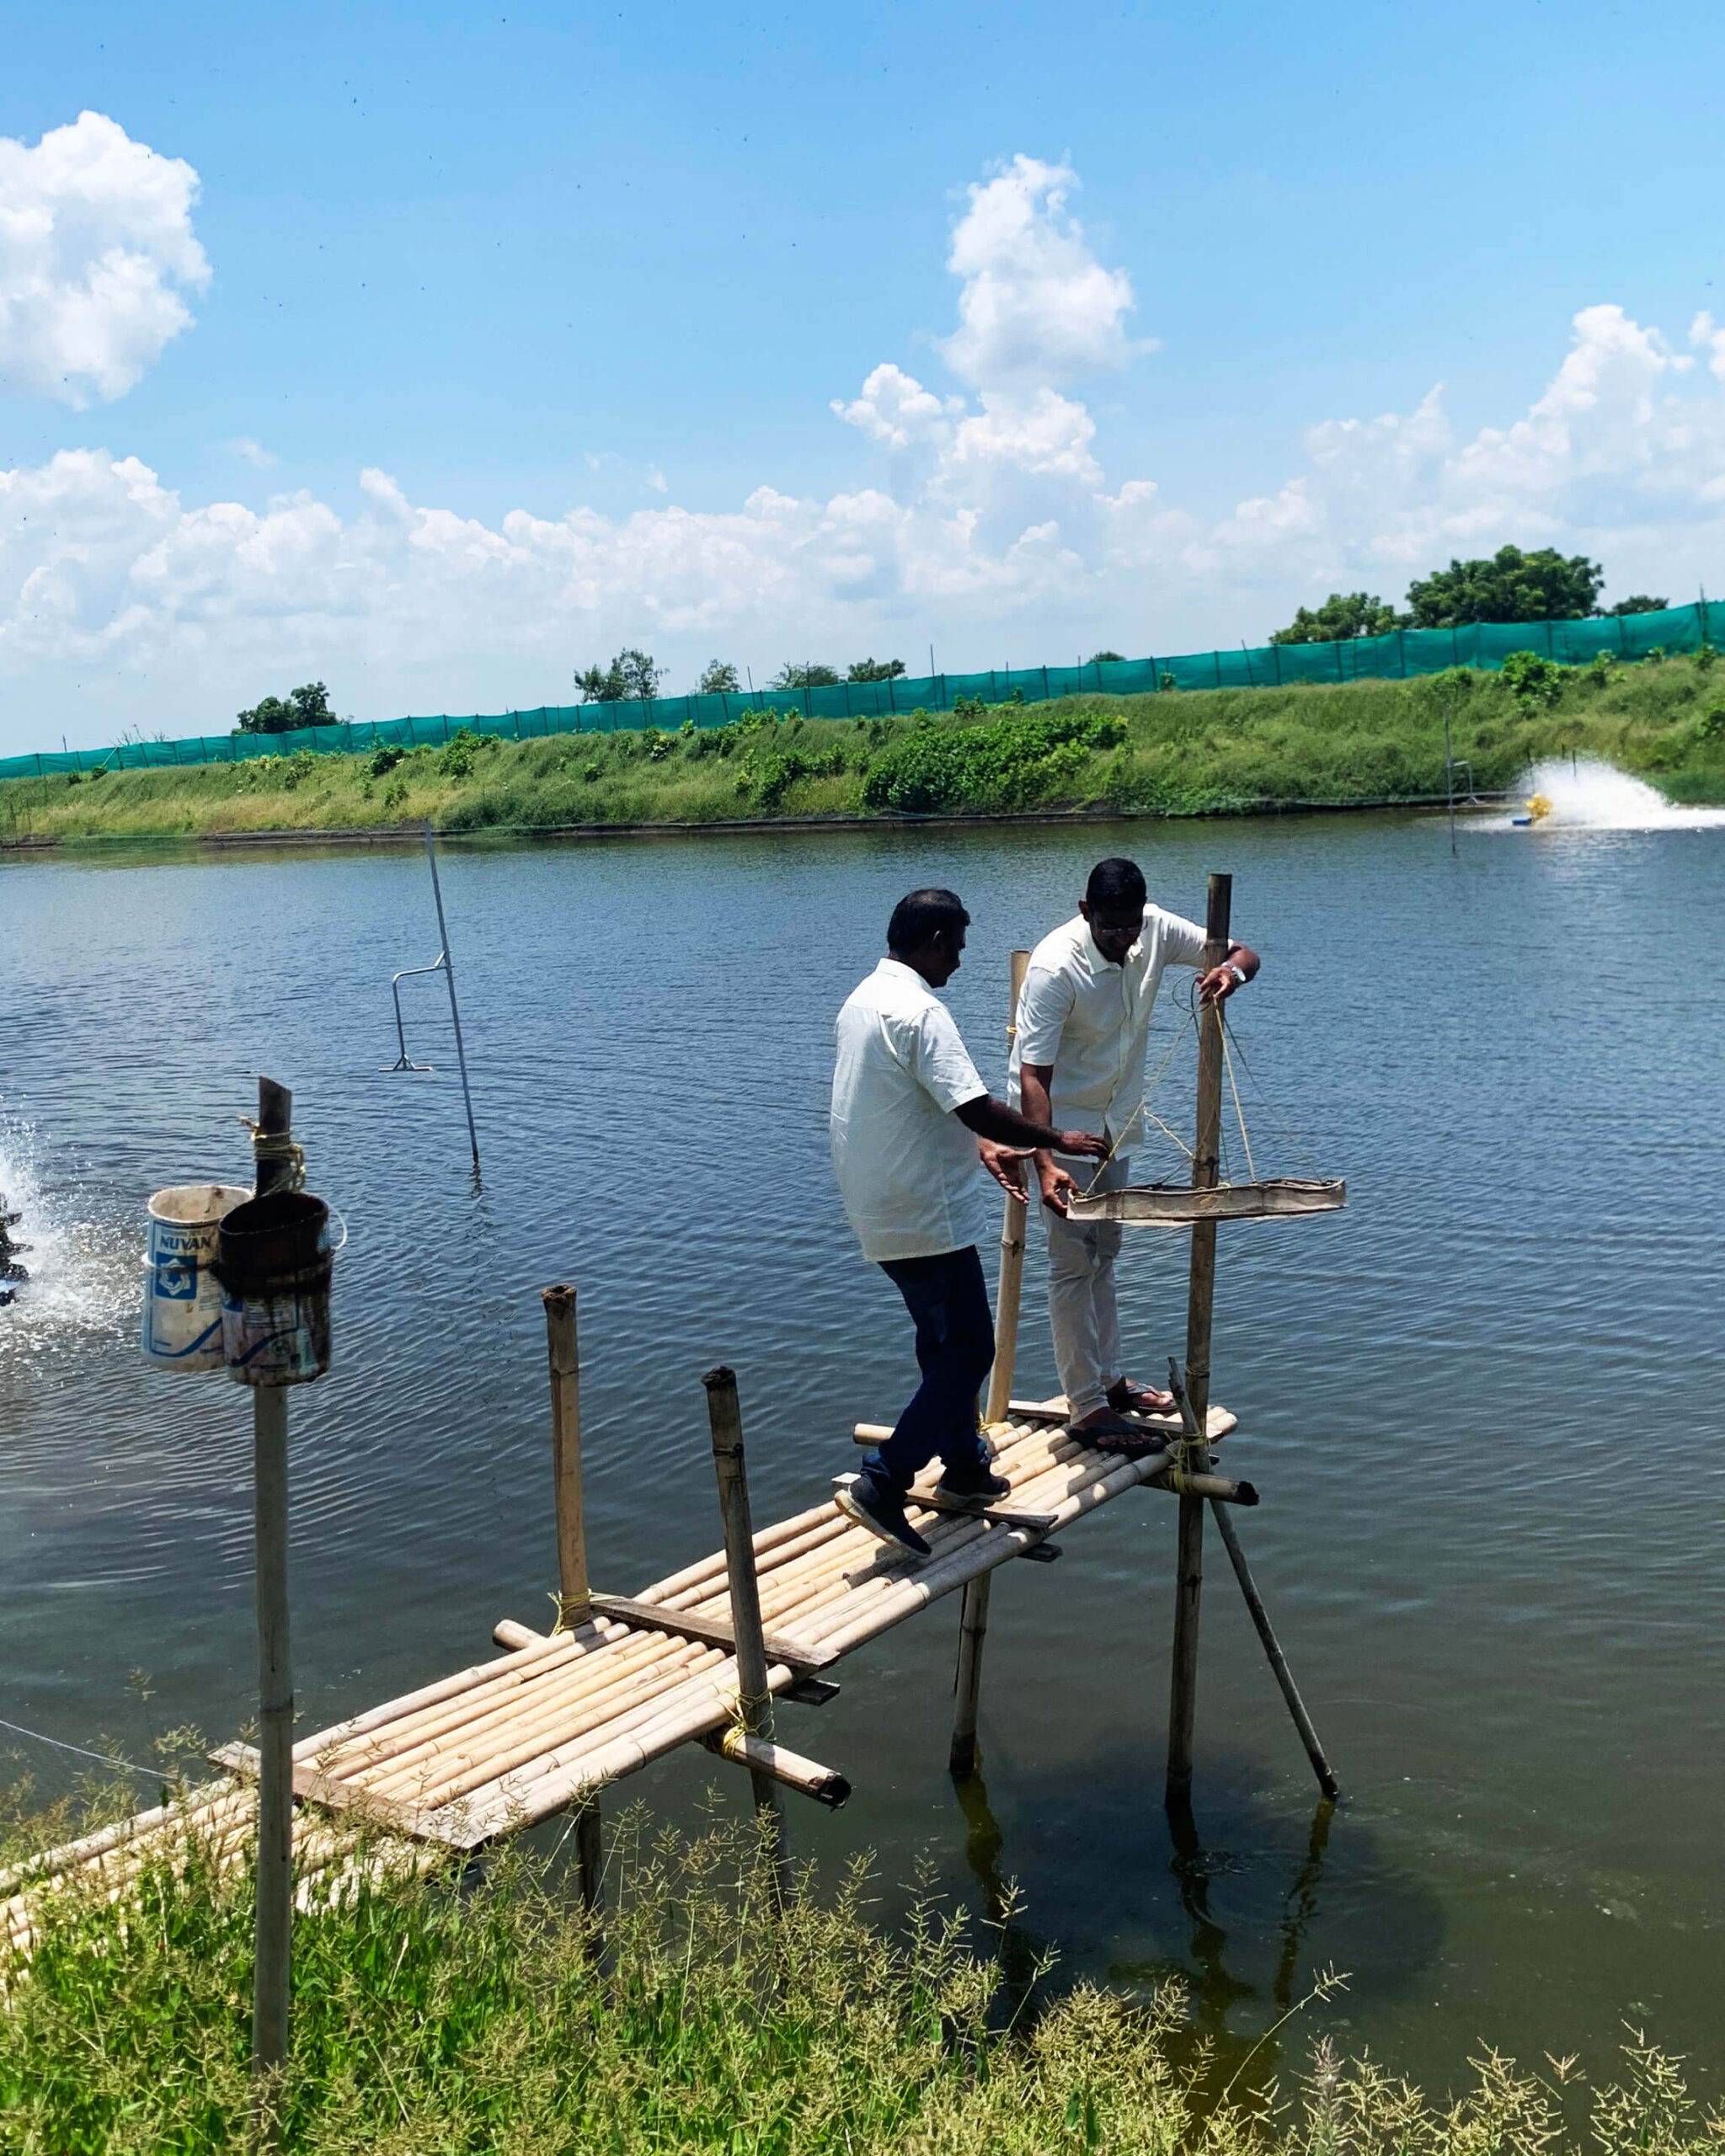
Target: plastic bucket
182	1326
274	1265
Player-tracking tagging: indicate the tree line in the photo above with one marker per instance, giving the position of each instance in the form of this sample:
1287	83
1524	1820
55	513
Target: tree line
1508	586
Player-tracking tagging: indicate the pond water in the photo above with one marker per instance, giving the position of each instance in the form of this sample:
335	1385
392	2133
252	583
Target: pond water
1481	1405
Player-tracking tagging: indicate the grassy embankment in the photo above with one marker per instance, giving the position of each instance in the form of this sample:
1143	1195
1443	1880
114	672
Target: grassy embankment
432	2014
1179	753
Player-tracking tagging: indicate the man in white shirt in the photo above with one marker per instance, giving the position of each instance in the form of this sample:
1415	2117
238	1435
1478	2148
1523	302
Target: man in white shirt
912	1124
1078	1053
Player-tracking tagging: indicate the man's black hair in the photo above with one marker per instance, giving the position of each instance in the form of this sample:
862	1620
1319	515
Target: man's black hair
922	915
1116	885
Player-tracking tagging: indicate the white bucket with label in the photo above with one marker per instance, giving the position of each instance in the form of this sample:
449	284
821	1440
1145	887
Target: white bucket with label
182	1327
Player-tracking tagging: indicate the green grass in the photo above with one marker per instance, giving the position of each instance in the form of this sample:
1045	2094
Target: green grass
434	2014
1179	753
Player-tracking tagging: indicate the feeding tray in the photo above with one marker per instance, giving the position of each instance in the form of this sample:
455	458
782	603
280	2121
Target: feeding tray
1180	1205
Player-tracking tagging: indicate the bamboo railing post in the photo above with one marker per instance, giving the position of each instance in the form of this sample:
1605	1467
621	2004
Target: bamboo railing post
272	1935
1012	1276
1189	1579
973	1607
753	1696
562	1347
574	1589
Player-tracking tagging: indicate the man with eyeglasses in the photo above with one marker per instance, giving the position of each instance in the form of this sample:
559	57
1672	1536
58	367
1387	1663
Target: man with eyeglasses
1083	1026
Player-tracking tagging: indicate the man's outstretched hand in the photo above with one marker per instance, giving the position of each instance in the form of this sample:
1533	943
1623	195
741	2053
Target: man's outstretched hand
1005	1164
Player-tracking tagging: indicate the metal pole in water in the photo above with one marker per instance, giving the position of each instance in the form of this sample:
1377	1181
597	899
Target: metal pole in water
460	1055
1450	774
274	1934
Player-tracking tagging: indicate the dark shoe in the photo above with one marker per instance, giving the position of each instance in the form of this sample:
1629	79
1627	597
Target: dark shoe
1115	1435
881	1510
974	1482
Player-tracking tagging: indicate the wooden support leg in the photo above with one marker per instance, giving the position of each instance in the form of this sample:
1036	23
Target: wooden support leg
589	1854
972	1626
973	1614
1278	1660
754	1698
1200	1301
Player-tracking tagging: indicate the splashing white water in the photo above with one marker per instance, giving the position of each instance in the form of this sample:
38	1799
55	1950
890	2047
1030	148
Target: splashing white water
83	1272
1591	795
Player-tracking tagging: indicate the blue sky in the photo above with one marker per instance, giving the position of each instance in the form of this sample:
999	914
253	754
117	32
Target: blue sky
528	263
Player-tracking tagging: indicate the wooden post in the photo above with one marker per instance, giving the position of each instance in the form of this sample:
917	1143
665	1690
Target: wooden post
754	1700
273	1933
973	1607
573	1591
1188	1577
564	1350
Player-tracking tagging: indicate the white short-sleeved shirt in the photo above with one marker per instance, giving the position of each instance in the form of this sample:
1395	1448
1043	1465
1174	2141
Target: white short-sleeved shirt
1089	1020
908	1169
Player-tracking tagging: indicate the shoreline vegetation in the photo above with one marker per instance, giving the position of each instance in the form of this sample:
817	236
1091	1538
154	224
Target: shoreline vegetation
480	2010
1215	752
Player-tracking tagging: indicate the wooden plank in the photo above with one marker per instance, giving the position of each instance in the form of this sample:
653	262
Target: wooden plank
796	1655
339	1795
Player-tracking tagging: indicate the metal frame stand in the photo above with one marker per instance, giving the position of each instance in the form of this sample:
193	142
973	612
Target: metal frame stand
444	965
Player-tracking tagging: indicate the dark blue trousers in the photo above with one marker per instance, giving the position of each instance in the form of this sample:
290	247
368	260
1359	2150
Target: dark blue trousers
946	1299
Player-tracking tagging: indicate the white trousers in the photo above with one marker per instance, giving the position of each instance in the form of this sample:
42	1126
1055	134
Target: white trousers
1081	1295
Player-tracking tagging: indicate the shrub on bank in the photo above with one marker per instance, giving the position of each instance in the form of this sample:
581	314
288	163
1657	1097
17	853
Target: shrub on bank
1011	759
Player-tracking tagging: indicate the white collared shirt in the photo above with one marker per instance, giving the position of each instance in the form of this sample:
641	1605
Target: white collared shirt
908	1169
1090	1019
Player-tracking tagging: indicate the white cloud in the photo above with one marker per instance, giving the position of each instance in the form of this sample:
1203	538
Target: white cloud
1037	306
96	252
252	453
998	532
896	411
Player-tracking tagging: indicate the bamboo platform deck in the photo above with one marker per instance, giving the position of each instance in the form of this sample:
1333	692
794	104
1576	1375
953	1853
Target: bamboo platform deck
499	1745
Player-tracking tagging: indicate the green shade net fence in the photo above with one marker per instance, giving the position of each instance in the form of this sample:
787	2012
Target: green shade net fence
1396	656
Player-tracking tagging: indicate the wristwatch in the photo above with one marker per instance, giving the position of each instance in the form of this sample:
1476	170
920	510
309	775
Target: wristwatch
1239	973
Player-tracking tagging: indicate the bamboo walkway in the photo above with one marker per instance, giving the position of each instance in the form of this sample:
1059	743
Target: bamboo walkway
556	1718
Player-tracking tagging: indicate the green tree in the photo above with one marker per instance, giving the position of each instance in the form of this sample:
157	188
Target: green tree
1640	603
874	670
804	677
719	678
1105	658
1343	616
1544	586
305	706
633	674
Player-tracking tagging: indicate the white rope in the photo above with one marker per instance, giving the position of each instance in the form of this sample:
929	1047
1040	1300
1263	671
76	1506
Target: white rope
105	1758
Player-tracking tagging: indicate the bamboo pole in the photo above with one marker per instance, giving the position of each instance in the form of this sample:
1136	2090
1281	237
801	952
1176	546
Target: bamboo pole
565	1358
273	1938
1260	1616
573	1600
825	1785
753	1699
973	1614
1278	1660
1012	1226
1188	1580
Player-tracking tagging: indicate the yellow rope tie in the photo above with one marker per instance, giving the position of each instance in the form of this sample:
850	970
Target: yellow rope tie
279	1145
